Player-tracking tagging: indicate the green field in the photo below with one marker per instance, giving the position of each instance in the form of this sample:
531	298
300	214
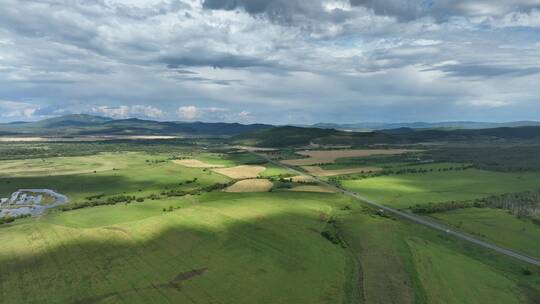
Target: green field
273	171
243	248
405	263
450	277
496	226
218	247
125	173
406	190
248	248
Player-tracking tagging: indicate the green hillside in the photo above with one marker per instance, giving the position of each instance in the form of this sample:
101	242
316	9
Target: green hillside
83	124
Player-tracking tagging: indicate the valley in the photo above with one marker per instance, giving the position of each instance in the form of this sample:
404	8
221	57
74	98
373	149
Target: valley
176	220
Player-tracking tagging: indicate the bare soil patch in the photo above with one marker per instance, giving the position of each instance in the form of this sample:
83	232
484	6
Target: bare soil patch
250	185
313	188
241	172
194	163
318	171
330	156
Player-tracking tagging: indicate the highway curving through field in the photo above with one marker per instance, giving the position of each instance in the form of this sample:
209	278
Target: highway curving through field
414	218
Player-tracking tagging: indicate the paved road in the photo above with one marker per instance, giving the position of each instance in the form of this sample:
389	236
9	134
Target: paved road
415	218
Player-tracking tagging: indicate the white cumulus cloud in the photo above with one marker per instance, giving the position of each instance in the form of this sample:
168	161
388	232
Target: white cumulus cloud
17	109
125	111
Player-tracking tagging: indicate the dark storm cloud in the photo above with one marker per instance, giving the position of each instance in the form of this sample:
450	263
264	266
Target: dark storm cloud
206	58
270	7
444	9
408	10
297	12
403	10
486	70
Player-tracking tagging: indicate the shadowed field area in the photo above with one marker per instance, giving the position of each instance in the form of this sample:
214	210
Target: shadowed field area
128	173
194	253
329	156
183	246
138	253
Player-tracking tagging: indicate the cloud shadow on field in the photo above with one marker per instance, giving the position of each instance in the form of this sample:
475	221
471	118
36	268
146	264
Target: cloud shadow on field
177	257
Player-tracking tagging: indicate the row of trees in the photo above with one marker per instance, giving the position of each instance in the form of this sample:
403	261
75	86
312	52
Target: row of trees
8	218
398	171
332	234
53	149
521	204
209	188
288	183
508	158
96	200
113	200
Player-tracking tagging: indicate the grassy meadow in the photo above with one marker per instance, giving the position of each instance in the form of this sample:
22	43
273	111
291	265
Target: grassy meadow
240	248
268	247
244	249
496	226
137	174
406	190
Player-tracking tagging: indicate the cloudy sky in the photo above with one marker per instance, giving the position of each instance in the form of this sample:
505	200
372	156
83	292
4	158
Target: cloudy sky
272	61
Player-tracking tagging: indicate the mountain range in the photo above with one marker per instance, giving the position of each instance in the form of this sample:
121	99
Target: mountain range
298	136
269	135
448	125
83	124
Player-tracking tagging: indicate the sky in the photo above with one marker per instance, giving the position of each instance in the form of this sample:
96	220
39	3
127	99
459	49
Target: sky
271	61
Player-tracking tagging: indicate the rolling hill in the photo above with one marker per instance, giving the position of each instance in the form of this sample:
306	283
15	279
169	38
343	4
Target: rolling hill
82	124
446	125
297	136
258	134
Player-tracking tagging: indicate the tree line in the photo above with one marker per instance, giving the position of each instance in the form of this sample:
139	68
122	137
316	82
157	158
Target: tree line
96	200
520	204
399	171
495	158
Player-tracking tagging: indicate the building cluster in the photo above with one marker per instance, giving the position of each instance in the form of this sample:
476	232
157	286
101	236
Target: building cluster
28	201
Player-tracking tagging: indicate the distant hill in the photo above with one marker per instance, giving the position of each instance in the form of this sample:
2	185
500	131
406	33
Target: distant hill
452	125
268	135
83	124
70	120
298	136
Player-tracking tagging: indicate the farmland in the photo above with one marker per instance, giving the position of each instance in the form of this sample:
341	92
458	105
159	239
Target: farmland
240	172
196	225
318	171
134	173
497	226
250	185
136	252
329	156
407	190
